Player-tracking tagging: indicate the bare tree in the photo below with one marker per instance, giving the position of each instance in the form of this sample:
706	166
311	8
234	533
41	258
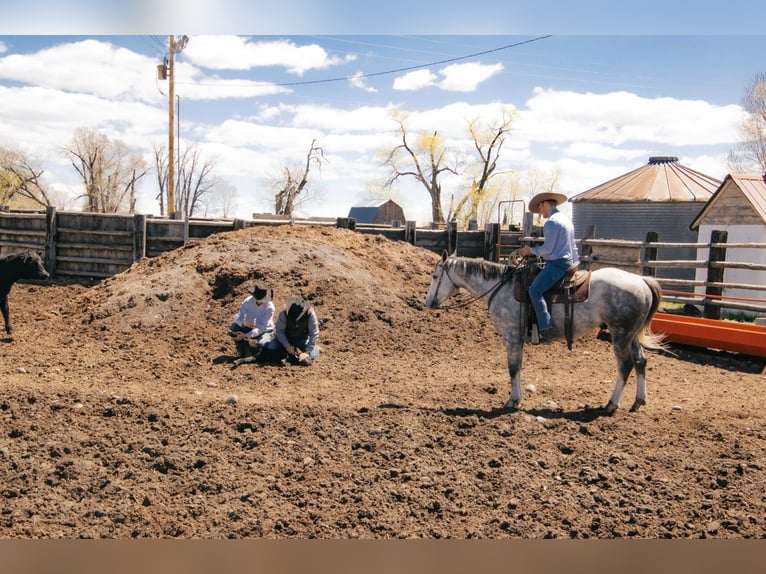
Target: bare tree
221	199
291	189
20	181
751	149
487	140
194	179
108	169
161	170
424	160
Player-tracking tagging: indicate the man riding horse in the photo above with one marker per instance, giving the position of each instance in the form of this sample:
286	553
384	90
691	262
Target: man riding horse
559	251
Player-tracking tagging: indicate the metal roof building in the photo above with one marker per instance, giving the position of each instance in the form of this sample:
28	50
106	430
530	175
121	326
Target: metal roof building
662	196
380	211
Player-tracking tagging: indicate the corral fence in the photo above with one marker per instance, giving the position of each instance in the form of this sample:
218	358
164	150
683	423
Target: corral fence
709	290
93	246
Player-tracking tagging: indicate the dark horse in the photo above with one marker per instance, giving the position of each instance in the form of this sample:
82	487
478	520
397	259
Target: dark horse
27	265
623	301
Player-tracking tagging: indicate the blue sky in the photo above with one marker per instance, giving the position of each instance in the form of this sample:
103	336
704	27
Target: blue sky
595	90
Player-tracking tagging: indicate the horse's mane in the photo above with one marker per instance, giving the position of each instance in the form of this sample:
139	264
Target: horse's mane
488	270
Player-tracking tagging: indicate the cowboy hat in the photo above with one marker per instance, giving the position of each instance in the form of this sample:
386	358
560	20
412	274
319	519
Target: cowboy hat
535	202
260	293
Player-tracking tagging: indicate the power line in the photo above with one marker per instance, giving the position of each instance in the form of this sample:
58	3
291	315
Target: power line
394	71
409	68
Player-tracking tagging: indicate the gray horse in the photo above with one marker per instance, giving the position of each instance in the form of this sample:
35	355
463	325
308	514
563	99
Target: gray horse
623	301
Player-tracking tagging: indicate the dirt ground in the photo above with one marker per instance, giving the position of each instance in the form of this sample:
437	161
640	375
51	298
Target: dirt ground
121	415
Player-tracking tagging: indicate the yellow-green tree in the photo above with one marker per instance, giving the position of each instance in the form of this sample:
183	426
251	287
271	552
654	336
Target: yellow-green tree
20	184
423	157
487	139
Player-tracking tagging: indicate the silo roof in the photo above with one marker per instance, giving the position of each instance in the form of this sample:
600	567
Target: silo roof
663	179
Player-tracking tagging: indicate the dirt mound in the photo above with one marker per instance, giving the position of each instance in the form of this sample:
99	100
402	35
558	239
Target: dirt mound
358	283
122	417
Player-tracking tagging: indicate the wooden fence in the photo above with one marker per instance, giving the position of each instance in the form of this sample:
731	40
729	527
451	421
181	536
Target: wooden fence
708	290
94	246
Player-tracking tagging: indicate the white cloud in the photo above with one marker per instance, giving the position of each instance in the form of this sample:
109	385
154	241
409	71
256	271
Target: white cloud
241	53
591	150
88	66
415	80
467	77
455	78
358	81
618	118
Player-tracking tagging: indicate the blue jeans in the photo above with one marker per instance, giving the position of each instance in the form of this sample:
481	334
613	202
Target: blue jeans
265	341
549	275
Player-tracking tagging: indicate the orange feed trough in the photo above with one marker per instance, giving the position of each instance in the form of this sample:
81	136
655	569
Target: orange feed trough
745	338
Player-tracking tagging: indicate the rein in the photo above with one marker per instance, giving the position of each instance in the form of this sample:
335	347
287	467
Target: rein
492	291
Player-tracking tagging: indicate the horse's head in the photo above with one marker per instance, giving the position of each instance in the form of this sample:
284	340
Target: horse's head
442	287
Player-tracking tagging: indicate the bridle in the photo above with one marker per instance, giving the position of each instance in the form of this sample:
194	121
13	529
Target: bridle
492	291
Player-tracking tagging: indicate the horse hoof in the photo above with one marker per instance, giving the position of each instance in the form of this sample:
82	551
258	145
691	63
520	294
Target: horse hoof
610	408
637	405
511	406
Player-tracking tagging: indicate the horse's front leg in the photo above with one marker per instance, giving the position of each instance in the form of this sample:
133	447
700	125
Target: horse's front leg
513	352
6	312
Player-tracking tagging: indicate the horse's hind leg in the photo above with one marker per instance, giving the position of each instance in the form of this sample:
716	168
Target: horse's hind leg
622	353
639	362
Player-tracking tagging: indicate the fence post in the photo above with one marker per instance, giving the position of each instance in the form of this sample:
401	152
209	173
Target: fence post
409	231
346	223
239	224
451	237
139	236
50	239
587	250
491	237
650	254
714	274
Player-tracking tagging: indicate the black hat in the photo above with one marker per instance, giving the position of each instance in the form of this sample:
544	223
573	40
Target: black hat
260	292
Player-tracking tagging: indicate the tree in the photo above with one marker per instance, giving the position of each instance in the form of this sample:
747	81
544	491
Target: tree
424	160
487	140
194	179
291	188
20	181
221	199
109	171
161	170
750	152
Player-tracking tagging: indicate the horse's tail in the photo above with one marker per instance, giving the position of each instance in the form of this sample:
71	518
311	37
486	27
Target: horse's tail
648	339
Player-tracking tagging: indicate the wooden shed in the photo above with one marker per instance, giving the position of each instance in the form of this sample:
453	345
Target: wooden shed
383	212
737	207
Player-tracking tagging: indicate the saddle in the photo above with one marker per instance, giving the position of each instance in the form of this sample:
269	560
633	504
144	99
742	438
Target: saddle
573	287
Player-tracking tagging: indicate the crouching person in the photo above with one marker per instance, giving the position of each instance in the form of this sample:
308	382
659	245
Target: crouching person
297	330
253	326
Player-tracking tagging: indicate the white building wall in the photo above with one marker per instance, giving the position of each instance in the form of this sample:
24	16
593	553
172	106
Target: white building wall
737	234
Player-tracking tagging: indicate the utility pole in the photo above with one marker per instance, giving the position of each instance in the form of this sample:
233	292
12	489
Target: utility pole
171	126
173	48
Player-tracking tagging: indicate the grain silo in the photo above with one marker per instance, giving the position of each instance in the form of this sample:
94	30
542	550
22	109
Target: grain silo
662	196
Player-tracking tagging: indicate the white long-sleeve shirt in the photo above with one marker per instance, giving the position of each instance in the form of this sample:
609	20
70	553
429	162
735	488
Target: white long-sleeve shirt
262	315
